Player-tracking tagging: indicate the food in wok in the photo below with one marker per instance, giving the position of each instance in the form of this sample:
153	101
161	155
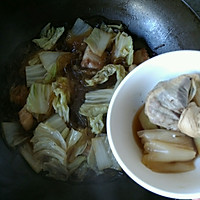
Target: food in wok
61	94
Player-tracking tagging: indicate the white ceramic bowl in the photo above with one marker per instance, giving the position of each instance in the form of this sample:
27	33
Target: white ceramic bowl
127	99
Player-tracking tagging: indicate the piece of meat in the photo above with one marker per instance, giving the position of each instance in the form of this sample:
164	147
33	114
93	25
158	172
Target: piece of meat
167	100
131	67
189	121
19	94
140	56
26	119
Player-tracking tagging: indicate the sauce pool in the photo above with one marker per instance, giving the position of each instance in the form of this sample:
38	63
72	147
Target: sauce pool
136	126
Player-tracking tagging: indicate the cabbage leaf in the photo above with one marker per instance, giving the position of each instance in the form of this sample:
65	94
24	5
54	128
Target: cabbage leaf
123	48
105	28
56	122
75	163
35	73
98	41
119	27
91	161
35	60
13	133
47	68
79	31
103	75
99	96
49	36
94	113
65	133
80	28
49	61
103	154
49	149
27	152
49	58
61	89
111	27
56	170
96	102
38	100
93	61
95	106
73	137
46	143
43	130
93	110
96	123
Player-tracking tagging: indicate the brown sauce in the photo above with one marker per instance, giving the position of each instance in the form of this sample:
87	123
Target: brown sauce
136	126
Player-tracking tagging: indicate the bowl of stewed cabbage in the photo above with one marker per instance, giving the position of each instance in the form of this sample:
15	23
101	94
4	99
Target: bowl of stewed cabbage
153	124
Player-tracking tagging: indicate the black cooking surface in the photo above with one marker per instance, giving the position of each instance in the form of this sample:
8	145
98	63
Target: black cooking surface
17	180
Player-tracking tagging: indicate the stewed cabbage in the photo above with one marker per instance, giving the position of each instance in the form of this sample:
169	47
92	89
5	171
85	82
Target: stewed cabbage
70	77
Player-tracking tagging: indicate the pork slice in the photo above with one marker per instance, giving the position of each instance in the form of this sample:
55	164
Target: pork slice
167	100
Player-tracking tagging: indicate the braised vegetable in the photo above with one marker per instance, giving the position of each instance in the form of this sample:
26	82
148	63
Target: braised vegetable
68	81
170	119
38	100
61	89
123	48
49	36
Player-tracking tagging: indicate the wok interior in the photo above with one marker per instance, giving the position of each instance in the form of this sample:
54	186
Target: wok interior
156	22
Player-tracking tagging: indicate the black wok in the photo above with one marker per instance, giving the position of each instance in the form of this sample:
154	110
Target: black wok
164	25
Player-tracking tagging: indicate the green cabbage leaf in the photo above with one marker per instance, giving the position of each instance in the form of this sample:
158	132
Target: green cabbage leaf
38	100
14	134
80	28
95	106
35	73
100	156
73	137
49	149
56	122
98	41
49	36
96	123
92	110
61	89
103	75
123	48
49	61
